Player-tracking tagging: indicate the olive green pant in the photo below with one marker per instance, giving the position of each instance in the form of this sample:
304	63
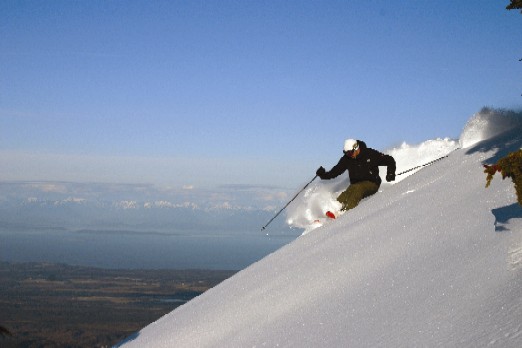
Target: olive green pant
351	197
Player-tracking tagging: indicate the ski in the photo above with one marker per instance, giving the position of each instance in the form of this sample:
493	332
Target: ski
328	216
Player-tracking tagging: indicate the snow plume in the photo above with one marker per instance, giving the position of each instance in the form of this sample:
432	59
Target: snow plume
408	156
487	123
313	203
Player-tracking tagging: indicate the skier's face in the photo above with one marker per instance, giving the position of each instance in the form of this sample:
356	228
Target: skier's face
355	153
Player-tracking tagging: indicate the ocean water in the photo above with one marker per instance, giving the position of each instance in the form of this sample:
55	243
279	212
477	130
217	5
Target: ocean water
139	250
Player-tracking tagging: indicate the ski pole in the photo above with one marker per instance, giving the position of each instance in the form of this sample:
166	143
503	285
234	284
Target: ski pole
297	194
426	164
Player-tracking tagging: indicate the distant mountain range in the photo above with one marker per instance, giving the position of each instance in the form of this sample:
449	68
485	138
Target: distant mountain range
80	206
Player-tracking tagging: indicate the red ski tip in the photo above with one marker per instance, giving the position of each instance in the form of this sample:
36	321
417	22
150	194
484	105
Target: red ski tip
330	214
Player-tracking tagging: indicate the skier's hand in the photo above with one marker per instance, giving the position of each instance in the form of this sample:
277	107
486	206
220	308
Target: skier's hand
390	177
320	172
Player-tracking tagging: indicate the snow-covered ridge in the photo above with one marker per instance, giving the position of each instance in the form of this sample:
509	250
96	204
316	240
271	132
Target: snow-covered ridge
433	260
167	204
142	205
139	196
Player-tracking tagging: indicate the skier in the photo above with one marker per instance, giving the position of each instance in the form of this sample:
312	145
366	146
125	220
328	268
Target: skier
362	164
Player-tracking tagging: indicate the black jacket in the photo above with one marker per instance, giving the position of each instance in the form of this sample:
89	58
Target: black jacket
365	167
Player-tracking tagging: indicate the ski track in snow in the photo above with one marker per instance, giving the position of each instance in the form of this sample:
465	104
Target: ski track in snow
515	257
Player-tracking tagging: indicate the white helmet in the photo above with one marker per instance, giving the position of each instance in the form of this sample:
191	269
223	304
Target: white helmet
350	145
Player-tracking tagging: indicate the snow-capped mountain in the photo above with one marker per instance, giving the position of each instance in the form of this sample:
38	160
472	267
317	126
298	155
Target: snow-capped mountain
73	206
434	260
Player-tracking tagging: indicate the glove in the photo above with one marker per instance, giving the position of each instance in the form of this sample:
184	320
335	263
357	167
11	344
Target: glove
320	172
390	177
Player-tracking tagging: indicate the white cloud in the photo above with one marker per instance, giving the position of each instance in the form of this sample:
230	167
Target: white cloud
49	187
126	204
273	196
74	200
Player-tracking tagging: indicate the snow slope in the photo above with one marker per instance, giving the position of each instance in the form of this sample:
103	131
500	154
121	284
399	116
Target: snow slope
435	260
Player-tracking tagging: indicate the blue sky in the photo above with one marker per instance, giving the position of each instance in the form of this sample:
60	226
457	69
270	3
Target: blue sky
209	93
